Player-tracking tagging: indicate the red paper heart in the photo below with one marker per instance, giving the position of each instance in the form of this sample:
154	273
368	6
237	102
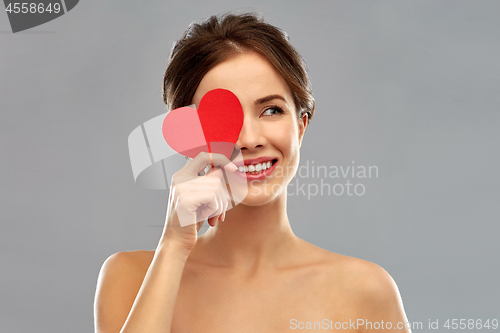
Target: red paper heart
214	127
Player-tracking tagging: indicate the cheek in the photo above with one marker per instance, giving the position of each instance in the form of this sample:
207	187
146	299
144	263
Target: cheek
285	138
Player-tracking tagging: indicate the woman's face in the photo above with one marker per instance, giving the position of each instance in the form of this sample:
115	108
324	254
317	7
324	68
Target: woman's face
271	133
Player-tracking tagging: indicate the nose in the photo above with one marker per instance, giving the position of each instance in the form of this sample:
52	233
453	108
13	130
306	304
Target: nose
251	136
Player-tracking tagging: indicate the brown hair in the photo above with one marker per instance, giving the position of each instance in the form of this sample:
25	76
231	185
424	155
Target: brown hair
205	45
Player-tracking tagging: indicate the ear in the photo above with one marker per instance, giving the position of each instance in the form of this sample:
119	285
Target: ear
302	126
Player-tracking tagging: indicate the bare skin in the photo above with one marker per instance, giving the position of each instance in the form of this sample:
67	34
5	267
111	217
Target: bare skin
249	272
332	286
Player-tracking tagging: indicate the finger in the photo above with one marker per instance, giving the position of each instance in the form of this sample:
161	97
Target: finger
205	213
199	163
205	197
199	225
225	205
200	184
213	221
211	207
220	203
196	208
222	216
223	200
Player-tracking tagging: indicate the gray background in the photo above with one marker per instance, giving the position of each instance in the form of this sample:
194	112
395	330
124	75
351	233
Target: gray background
408	86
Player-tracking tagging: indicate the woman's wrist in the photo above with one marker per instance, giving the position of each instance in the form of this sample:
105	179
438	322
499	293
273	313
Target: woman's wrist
170	248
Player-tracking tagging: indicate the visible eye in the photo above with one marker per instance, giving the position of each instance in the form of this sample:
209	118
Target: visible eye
273	110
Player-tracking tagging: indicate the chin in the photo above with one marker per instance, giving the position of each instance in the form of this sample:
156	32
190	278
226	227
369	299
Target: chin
256	201
262	193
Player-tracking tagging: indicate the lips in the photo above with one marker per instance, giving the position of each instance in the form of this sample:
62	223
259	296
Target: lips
255	160
256	168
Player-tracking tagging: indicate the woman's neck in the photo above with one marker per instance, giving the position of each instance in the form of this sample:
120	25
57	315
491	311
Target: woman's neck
250	238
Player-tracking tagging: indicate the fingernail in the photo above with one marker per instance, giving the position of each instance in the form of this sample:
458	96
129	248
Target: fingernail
223	216
232	167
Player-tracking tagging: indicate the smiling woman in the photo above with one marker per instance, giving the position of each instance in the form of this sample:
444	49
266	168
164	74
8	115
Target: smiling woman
249	272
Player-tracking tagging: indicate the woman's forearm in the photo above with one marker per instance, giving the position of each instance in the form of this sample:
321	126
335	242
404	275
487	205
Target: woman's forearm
153	308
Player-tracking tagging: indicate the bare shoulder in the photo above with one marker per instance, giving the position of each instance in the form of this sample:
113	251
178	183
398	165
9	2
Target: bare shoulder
362	275
358	274
119	281
363	287
134	263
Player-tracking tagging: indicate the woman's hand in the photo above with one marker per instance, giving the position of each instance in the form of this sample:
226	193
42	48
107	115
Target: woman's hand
195	198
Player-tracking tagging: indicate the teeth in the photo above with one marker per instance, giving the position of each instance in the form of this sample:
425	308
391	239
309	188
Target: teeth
255	168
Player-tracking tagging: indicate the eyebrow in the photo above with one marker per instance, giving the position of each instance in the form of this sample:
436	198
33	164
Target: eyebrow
268	98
